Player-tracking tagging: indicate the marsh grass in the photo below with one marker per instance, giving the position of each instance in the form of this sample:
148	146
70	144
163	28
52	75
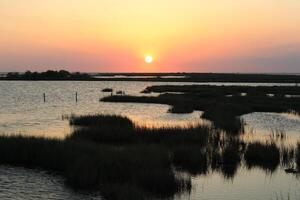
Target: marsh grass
192	159
225	117
86	165
108	153
193	149
211	90
101	120
169	136
287	155
111	129
226	158
265	156
185	145
224	112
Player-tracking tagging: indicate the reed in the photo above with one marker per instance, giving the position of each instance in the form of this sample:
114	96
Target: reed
266	156
287	155
86	165
111	129
108	153
101	120
191	159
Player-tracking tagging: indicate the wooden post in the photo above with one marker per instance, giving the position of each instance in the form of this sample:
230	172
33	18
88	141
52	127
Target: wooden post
76	97
44	97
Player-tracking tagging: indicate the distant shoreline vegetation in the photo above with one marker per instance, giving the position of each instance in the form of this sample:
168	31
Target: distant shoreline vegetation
223	105
47	75
62	75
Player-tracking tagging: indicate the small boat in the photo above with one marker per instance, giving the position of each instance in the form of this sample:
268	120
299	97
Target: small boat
107	90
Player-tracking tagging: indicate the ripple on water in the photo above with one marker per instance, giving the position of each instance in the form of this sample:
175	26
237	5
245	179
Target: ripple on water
19	183
261	126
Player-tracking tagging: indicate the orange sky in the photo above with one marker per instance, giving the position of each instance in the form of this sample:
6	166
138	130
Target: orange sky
115	35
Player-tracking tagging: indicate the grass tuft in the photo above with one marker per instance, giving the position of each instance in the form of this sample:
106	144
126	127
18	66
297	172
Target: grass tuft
266	156
190	158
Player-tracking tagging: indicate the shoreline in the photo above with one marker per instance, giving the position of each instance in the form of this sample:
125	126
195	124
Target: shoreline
180	80
165	77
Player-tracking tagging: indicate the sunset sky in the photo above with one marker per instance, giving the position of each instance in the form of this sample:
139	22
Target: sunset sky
116	35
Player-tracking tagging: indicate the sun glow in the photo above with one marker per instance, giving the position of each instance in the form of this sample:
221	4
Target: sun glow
148	59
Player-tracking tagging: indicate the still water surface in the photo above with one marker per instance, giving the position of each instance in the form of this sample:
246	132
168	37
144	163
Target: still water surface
23	111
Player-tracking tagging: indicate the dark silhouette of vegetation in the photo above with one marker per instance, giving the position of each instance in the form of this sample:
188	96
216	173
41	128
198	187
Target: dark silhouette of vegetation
231	157
107	90
192	159
171	77
47	75
181	108
202	77
217	91
85	165
222	110
101	120
120	130
287	155
266	156
108	153
225	156
193	149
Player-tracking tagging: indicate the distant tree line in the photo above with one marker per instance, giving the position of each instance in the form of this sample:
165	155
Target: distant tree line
50	74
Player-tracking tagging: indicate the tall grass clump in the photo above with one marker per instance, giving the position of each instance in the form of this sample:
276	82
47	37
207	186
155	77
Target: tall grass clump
104	135
184	144
266	156
226	117
101	120
188	158
170	136
121	130
86	165
231	157
287	156
110	129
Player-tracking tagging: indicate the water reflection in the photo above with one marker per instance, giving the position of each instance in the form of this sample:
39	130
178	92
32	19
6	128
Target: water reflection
247	185
20	183
22	110
281	128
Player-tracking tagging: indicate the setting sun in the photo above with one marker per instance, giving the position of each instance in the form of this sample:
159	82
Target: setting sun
148	59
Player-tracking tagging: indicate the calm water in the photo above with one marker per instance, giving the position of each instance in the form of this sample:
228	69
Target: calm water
19	184
23	111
